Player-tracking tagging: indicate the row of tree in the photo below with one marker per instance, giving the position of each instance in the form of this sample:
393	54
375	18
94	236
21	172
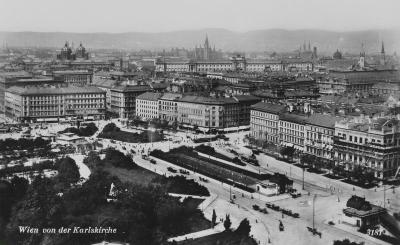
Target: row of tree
84	131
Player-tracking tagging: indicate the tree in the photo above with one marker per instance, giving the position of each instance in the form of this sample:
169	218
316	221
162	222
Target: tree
93	160
111	127
244	228
346	242
287	151
227	223
174	126
214	218
369	176
19	187
68	172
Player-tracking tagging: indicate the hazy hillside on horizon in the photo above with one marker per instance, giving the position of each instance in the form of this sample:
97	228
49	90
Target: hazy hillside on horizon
258	40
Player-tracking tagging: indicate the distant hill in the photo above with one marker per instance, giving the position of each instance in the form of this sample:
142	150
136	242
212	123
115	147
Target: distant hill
258	40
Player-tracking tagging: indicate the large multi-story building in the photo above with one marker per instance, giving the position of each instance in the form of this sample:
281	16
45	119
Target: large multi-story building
74	77
123	99
147	105
371	143
236	63
54	103
338	82
264	121
7	78
216	113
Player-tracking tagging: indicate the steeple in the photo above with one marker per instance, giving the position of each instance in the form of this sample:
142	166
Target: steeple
383	57
206	45
362	53
361	62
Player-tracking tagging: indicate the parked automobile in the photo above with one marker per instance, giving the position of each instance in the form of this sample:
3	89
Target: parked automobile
182	171
172	170
155	162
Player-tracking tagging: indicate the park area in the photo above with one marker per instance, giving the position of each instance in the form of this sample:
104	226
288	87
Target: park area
112	132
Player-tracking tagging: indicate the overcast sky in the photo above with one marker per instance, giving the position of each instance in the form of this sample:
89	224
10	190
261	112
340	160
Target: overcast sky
169	15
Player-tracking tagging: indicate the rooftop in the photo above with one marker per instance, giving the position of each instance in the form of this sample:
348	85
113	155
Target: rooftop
104	83
207	100
171	96
296	118
149	96
131	88
322	120
66	72
35	90
267	107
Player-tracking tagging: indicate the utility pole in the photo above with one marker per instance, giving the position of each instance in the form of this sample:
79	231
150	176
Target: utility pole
384	197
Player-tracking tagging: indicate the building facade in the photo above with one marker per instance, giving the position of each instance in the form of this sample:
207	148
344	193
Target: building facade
168	107
291	130
236	63
215	113
123	99
31	104
264	121
74	77
371	143
147	105
319	133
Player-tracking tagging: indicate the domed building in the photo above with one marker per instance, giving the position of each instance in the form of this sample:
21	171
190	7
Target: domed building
81	52
337	55
66	53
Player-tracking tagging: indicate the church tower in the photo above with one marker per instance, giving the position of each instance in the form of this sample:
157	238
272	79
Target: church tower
206	49
361	62
383	57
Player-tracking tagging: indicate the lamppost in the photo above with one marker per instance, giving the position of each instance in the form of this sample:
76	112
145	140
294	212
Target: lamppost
313	214
302	166
209	121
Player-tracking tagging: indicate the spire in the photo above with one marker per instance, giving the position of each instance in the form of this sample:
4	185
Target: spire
206	42
362	54
309	46
383	58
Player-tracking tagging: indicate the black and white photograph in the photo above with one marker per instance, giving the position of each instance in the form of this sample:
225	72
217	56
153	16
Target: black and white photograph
200	122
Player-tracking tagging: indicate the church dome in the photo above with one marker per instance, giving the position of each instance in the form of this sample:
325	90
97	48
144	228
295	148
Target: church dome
337	55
